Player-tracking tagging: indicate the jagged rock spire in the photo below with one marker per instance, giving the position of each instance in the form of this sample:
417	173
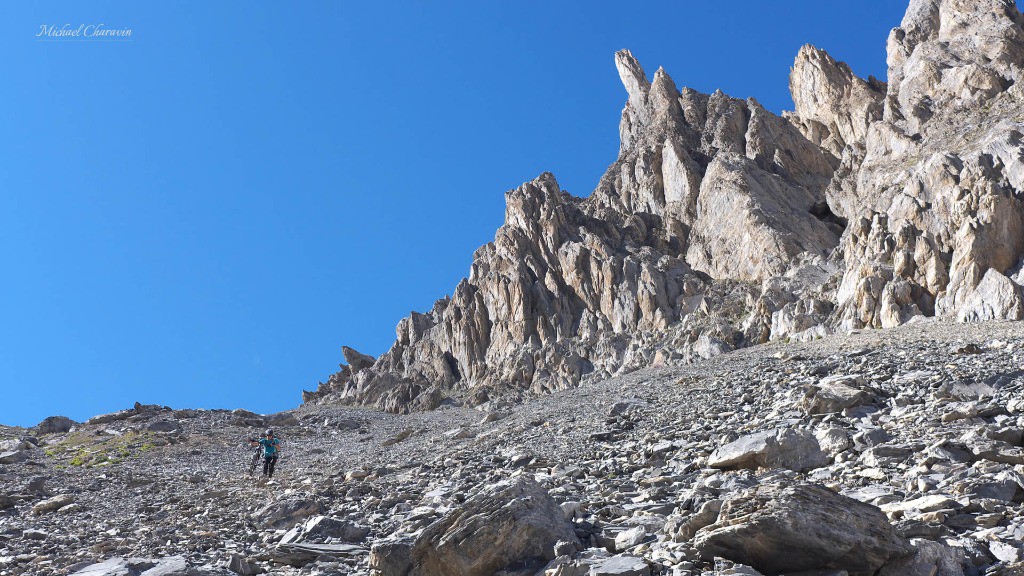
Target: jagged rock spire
632	76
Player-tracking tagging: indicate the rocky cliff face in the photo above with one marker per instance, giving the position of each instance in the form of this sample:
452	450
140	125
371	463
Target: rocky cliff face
931	179
722	225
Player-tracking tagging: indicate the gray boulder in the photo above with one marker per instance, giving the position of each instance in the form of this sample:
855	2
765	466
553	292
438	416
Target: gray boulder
835	394
164	426
282	419
391	557
323	528
621	566
239	565
13	456
929	559
112	417
510	522
111	567
784	529
169	566
51	504
243	417
796	450
300	554
288	511
55	425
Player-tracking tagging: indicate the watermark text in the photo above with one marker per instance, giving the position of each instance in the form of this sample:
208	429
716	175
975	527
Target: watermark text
82	32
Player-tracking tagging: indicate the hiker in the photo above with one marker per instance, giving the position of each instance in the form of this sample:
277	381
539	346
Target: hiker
270	451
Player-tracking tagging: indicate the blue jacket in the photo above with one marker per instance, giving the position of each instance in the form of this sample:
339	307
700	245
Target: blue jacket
269	446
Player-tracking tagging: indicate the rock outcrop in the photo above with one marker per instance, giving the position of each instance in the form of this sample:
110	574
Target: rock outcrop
711	196
932	191
721	225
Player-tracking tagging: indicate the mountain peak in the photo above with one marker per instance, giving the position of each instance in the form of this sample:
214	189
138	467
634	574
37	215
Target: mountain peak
632	75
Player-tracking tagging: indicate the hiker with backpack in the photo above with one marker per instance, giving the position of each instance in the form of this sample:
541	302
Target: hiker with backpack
271	451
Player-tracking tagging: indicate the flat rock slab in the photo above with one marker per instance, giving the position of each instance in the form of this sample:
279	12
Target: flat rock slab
621	566
169	566
782	529
302	554
13	456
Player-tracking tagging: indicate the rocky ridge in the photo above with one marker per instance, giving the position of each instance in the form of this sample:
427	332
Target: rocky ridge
580	289
721	225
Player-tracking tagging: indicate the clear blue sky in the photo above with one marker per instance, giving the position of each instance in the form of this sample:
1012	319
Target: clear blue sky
202	216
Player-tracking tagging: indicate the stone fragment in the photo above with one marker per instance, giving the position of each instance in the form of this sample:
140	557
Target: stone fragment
168	566
628	538
239	565
13	456
620	566
796	450
706	516
391	557
51	504
929	503
111	567
300	554
357	361
835	394
164	426
1006	552
321	528
928	559
288	511
833	440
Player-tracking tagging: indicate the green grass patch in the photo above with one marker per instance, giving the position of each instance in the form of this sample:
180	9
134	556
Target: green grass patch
87	449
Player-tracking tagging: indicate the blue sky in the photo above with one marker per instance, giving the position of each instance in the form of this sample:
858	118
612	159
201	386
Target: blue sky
202	216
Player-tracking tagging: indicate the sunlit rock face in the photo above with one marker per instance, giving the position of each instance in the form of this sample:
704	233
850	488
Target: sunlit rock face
932	189
722	225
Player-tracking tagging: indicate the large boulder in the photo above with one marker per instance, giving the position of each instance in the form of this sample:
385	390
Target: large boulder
512	522
996	297
796	450
164	426
784	529
55	425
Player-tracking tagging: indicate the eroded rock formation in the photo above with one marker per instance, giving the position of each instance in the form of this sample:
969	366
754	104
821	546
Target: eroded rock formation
722	225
